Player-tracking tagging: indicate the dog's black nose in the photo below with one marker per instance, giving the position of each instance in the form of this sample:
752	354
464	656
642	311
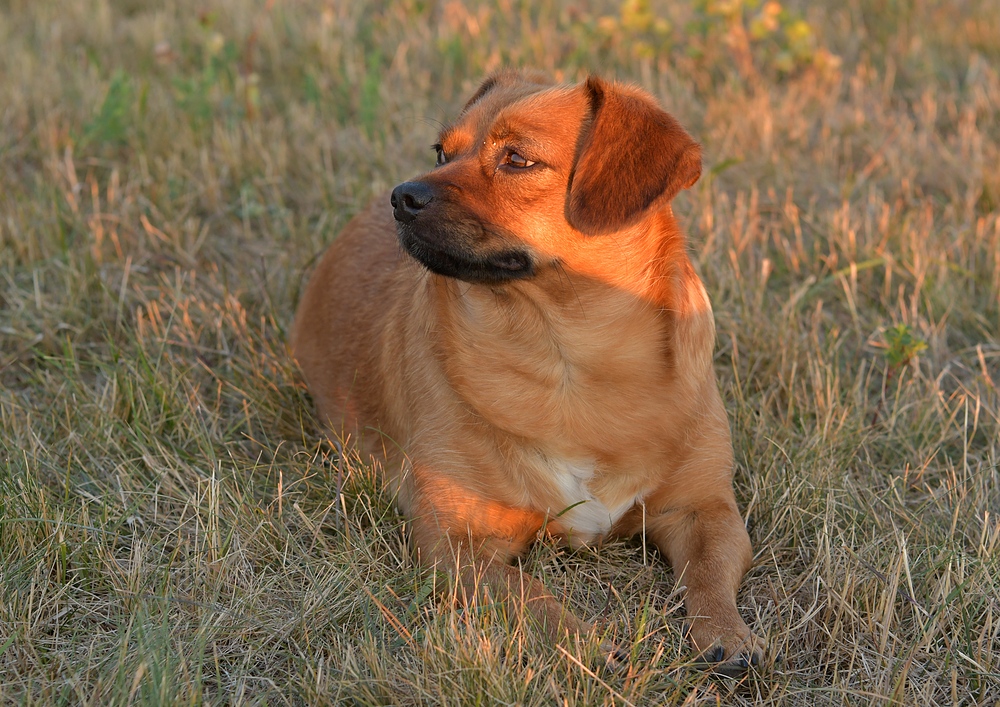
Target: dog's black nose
408	199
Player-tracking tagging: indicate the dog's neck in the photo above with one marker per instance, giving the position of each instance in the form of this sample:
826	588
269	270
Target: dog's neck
643	260
572	334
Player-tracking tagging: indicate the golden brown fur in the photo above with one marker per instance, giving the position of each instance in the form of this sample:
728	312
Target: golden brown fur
568	358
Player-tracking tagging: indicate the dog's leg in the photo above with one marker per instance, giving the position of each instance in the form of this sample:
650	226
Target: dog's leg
482	567
709	549
514	588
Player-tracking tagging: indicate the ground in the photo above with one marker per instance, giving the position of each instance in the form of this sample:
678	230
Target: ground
174	526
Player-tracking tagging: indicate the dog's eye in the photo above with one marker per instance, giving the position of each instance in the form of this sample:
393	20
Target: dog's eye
441	158
516	160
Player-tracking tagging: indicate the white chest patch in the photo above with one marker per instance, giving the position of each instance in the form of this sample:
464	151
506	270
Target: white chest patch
584	516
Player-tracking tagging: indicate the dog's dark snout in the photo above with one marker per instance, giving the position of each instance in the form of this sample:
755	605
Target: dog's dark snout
408	199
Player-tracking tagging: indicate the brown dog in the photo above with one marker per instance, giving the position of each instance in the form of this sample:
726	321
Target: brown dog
538	353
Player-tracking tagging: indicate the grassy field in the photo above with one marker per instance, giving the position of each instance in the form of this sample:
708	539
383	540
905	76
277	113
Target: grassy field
174	528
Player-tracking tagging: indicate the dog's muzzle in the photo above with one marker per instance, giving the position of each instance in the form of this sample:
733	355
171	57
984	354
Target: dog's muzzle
450	245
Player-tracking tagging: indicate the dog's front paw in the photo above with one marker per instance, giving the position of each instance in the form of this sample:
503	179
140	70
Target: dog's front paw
614	659
738	662
731	654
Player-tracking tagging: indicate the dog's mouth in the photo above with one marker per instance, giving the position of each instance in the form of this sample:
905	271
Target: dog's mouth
441	257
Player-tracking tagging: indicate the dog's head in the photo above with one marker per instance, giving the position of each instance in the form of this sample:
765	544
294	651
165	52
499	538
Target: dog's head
529	170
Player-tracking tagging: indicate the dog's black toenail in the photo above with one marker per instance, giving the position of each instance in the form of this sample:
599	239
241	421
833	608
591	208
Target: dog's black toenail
716	654
755	659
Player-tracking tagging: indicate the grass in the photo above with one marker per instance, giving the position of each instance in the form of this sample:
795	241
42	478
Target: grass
174	527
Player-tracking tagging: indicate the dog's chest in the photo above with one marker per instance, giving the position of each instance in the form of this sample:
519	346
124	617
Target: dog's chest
566	381
578	513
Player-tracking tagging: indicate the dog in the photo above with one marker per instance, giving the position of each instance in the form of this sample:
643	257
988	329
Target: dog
519	337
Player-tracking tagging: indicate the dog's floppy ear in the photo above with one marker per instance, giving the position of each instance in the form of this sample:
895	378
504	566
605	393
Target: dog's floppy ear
630	155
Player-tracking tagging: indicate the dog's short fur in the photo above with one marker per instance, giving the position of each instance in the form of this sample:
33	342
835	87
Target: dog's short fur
522	341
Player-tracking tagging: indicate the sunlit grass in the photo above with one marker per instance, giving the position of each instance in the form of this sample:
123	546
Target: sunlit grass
174	528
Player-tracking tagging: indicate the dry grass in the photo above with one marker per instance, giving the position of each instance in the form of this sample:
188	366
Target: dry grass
173	527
